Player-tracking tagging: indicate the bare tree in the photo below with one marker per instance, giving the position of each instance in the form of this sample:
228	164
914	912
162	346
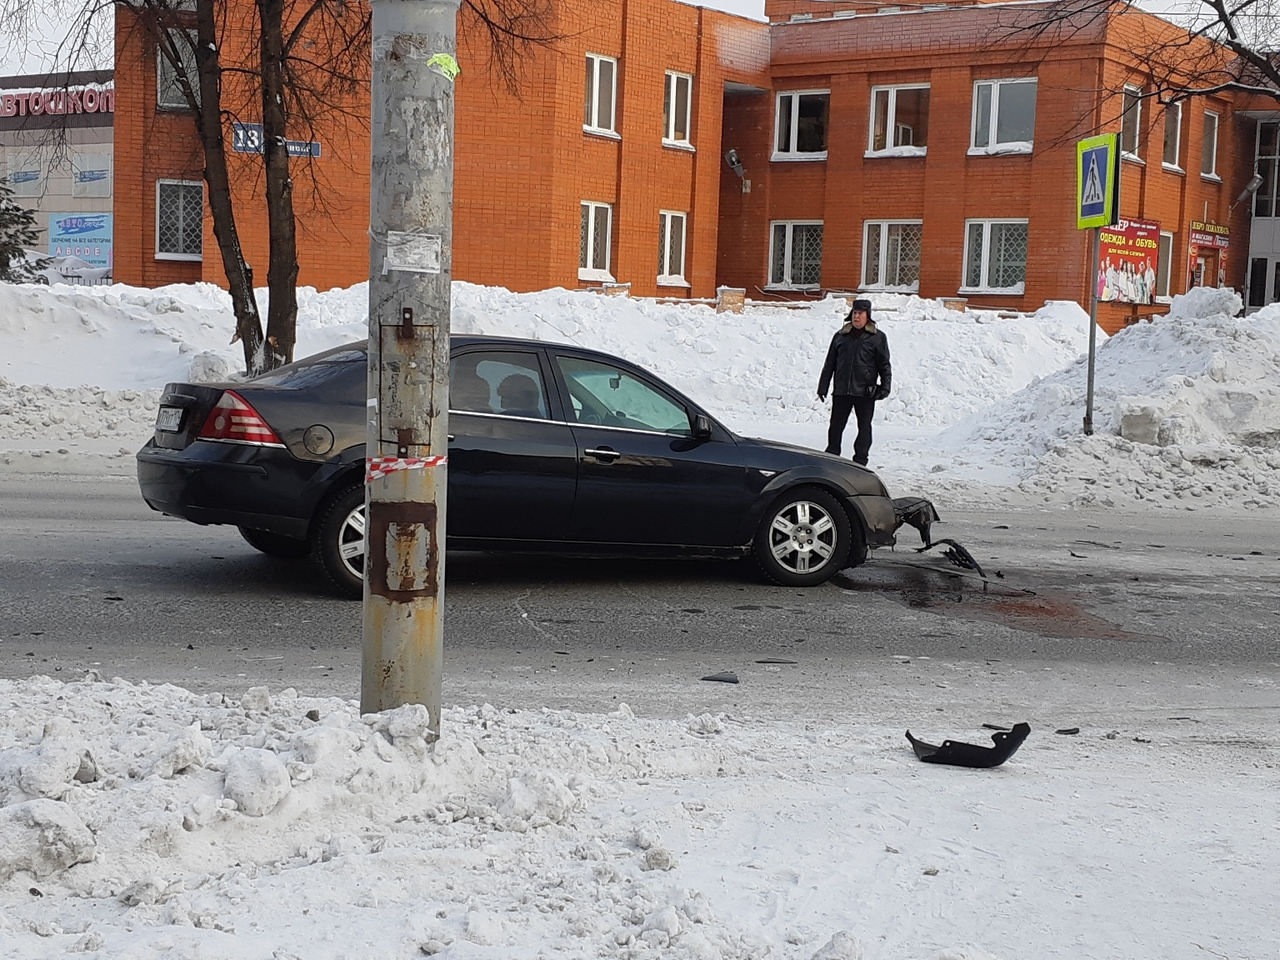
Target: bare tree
312	60
1195	47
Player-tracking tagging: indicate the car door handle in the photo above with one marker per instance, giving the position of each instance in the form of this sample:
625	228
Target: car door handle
451	438
603	454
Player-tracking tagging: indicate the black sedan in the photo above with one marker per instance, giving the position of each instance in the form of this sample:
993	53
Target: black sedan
551	447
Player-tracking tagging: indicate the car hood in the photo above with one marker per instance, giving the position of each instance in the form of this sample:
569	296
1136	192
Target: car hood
780	456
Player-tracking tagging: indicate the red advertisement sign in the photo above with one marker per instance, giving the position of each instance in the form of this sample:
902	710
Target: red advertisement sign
1128	257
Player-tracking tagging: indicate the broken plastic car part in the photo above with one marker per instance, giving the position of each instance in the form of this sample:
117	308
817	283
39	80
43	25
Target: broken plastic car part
1005	744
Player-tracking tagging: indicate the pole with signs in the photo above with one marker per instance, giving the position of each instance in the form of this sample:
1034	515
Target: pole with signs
410	269
1097	206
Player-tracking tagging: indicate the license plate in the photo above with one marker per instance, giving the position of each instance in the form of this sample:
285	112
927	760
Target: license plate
169	418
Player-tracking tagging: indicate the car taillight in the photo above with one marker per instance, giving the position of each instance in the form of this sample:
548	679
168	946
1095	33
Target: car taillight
233	419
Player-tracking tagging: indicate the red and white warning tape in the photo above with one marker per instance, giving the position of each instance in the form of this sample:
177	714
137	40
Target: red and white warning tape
378	467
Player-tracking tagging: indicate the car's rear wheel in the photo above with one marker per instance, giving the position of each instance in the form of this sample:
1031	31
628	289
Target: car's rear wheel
337	540
275	544
804	538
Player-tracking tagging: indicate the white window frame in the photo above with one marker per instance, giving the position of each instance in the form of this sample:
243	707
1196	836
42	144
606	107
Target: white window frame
1174	166
588	272
669	138
791	153
1164	268
1135	153
883	227
789	242
984	286
167	78
994	146
595	123
185	257
1212	172
892	122
668	222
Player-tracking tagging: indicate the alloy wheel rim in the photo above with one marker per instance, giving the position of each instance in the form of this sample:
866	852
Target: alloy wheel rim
351	542
802	537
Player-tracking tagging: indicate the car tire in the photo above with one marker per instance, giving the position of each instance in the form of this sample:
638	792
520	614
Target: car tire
337	540
275	544
804	538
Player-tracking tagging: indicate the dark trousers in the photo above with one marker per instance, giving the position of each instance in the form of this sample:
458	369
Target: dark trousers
862	407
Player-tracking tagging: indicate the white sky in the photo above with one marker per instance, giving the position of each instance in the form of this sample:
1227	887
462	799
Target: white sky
155	824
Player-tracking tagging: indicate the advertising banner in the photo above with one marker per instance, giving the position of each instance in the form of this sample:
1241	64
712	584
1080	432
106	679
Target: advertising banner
86	236
1128	258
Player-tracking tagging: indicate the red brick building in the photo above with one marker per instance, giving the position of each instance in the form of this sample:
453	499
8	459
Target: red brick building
925	149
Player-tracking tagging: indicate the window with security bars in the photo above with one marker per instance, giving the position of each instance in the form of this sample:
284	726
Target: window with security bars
795	254
179	220
995	256
891	254
671	227
169	93
593	245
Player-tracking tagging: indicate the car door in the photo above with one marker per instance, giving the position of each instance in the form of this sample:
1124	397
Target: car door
513	462
643	477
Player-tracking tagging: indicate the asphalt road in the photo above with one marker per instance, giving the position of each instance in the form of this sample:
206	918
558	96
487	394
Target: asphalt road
1079	614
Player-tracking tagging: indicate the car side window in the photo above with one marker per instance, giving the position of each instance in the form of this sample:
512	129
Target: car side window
507	383
606	395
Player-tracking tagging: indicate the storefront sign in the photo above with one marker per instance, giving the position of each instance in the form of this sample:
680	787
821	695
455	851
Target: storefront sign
83	235
1128	258
34	103
1209	234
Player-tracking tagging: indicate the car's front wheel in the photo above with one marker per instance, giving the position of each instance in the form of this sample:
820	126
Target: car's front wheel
804	538
275	544
337	540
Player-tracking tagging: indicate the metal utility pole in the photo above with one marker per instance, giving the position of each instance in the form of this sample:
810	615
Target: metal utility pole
410	272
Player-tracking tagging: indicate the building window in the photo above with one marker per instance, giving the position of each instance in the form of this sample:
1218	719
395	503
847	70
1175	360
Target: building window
1173	135
1164	265
800	127
602	89
671	234
179	220
91	174
899	118
25	174
676	108
1268	154
1131	122
891	255
995	256
795	254
169	94
1209	146
595	240
1004	115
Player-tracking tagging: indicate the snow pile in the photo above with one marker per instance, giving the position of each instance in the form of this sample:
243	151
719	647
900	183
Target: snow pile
985	405
152	823
1186	413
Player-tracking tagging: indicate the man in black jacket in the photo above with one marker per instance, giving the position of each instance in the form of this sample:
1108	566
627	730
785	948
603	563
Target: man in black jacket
858	372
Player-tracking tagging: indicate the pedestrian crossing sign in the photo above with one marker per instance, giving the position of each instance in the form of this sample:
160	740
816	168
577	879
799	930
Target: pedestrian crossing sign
1097	181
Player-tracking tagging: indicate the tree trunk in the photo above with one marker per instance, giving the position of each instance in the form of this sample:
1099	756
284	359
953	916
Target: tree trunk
282	268
209	119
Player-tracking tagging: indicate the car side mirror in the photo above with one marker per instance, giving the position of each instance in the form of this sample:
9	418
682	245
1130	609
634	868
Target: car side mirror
701	427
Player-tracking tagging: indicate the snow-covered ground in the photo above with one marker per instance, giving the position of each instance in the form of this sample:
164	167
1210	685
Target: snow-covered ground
141	821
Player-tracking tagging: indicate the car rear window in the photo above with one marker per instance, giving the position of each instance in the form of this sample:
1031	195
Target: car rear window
313	370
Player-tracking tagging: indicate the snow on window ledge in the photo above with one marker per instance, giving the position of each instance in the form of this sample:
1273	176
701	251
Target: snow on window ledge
1132	157
187	257
1003	149
1173	168
684	145
601	132
889	288
596	276
1210	177
905	151
1016	290
795	157
672	281
790	287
